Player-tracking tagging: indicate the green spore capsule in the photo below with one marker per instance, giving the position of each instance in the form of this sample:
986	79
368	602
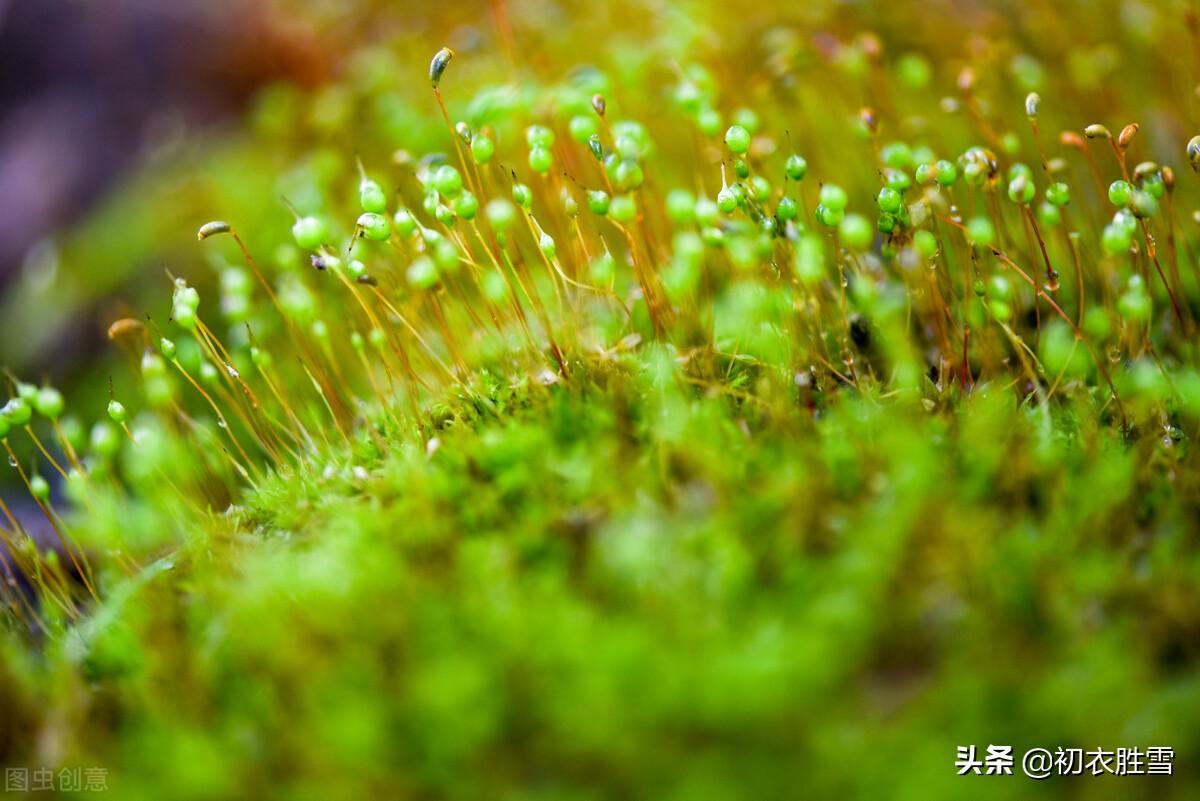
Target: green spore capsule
889	200
598	202
466	206
833	197
404	222
540	160
39	488
422	273
49	403
371	196
374	226
623	209
539	136
1058	194
448	181
523	195
855	232
737	139
17	412
796	167
482	149
500	214
117	412
309	232
1120	193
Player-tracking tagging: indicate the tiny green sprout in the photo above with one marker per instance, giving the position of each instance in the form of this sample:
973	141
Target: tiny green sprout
1058	194
1193	153
623	209
796	167
737	139
374	226
466	205
405	223
833	197
855	232
547	246
787	210
309	232
523	195
889	200
212	229
540	160
356	269
925	173
1120	194
1021	190
117	412
39	488
981	232
422	273
886	224
437	66
926	243
448	181
371	196
167	348
598	202
482	149
1032	101
49	403
741	169
582	127
594	147
946	173
500	214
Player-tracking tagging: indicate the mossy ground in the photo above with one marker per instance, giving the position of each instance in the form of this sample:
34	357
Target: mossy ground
772	462
644	585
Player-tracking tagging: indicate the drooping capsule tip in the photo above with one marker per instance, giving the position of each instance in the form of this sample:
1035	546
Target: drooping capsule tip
438	65
212	229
